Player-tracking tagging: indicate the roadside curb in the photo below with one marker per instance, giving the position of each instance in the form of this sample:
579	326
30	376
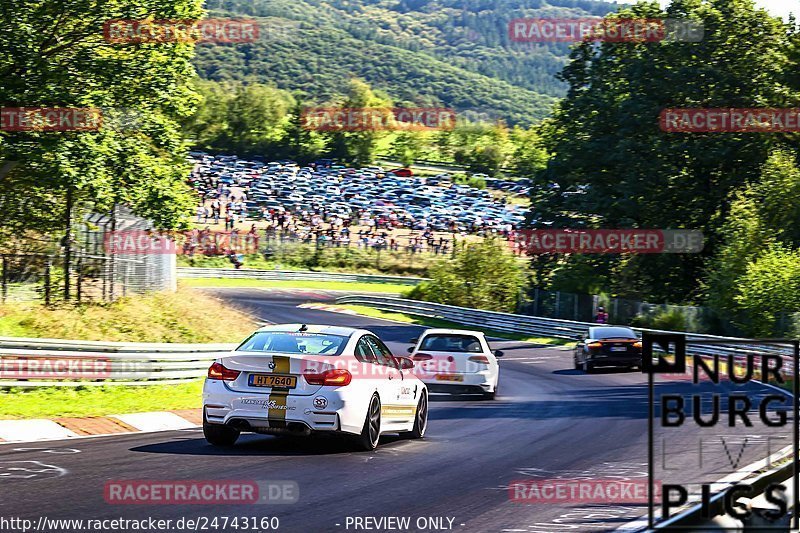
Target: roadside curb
329	308
34	430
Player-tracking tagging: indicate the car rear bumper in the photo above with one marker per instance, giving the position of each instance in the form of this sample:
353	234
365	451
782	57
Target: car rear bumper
279	414
598	361
469	383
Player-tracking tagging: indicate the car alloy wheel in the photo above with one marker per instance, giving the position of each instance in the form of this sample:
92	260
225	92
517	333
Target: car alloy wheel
420	420
367	440
374	421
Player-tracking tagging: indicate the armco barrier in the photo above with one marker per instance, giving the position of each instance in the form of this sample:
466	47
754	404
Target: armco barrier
292	275
544	327
65	363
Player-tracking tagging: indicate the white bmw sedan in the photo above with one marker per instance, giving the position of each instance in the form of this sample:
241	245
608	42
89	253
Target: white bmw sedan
294	379
456	361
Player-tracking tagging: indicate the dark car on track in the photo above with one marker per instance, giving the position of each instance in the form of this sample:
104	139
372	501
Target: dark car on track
608	346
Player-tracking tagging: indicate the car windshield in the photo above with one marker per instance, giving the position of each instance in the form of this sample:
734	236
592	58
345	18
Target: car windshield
451	343
294	342
612	333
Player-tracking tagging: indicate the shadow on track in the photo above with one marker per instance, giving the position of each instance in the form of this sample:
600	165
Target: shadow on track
266	445
597	371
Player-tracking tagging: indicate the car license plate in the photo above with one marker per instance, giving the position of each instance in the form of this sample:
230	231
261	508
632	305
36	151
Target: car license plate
619	349
273	380
448	377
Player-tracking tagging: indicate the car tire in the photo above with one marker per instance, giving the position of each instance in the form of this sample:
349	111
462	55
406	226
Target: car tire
420	420
491	395
577	364
370	434
219	434
588	367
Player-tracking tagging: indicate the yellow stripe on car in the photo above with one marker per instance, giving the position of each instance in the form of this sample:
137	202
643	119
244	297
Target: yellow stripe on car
279	395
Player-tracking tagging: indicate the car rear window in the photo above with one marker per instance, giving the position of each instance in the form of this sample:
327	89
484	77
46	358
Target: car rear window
612	333
294	342
451	343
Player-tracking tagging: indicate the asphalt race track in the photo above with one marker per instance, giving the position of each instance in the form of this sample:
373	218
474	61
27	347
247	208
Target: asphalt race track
549	421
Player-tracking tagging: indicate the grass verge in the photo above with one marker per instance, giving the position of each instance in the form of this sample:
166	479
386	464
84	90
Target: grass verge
184	316
439	323
54	402
322	285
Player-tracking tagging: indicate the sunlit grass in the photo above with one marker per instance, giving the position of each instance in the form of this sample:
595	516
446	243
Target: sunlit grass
185	316
51	402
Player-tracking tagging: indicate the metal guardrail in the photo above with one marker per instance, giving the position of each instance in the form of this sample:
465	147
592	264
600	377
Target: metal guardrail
33	363
545	327
110	346
293	275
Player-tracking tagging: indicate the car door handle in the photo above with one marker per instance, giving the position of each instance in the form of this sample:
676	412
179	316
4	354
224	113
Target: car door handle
391	376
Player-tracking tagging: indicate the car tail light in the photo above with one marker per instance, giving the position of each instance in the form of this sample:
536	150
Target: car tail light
218	371
637	344
479	359
422	357
595	345
335	377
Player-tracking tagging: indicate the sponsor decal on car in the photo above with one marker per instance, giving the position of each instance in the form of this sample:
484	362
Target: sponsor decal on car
267	404
320	402
398	411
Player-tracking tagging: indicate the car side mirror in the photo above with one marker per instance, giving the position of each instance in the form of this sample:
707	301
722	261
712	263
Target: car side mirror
580	337
498	353
410	349
404	363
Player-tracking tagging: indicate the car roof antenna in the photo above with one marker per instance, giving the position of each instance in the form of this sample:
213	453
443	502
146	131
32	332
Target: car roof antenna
303	327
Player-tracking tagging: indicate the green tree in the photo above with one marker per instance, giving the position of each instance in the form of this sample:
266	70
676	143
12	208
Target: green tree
53	54
763	214
529	155
408	147
482	275
301	143
359	147
606	134
769	288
